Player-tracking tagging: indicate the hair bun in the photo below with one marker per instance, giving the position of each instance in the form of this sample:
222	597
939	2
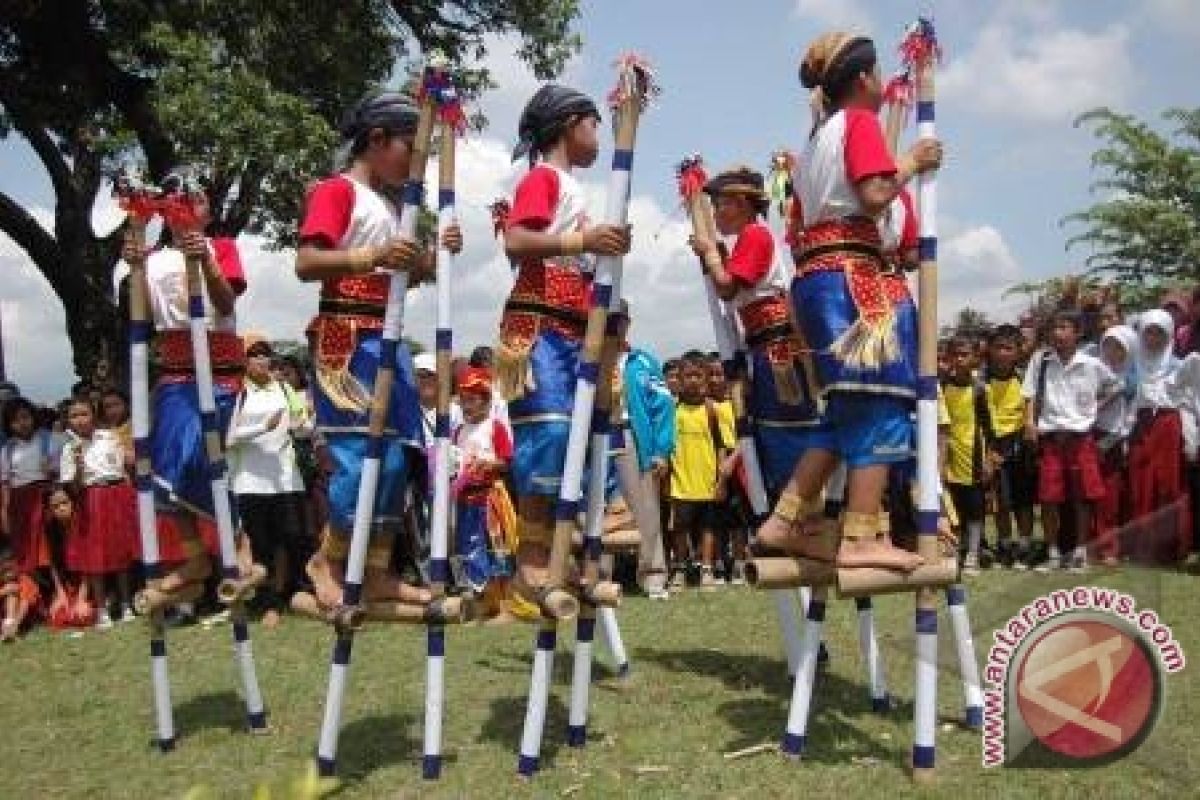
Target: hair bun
820	55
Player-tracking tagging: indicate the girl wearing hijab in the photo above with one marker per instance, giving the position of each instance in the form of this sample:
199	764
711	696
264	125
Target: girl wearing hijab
1156	446
861	326
1114	420
552	243
350	241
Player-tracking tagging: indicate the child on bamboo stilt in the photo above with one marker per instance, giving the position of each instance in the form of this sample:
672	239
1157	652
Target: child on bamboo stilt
551	241
351	241
862	328
179	459
780	403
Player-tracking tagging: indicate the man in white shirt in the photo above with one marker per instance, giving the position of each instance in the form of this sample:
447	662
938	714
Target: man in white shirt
1065	387
265	477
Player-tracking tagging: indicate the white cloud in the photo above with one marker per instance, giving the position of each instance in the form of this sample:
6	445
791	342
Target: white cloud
975	267
842	14
1038	71
661	280
1177	17
37	354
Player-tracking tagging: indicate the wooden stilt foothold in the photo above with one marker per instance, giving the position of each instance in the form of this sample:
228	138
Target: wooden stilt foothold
788	573
239	590
343	618
623	541
865	582
558	604
442	611
152	599
604	594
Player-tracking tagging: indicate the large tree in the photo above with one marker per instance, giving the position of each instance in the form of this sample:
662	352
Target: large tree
1145	233
251	89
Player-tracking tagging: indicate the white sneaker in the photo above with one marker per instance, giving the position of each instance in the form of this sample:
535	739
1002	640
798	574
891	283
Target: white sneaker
971	564
103	622
658	594
739	574
127	615
1078	565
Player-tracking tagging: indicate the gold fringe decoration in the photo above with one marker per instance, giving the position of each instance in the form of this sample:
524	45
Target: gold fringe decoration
868	344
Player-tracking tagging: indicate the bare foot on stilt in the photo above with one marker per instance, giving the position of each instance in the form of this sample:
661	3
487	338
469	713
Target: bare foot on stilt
382	585
194	570
813	538
876	552
327	578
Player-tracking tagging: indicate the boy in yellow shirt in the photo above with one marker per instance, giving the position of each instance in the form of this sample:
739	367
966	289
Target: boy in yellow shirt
967	447
1016	473
701	445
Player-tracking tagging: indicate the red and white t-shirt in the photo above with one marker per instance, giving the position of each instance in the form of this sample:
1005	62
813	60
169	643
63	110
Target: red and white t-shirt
753	264
550	200
848	148
166	276
342	213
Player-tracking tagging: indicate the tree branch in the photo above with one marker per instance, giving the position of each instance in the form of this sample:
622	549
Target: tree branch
31	237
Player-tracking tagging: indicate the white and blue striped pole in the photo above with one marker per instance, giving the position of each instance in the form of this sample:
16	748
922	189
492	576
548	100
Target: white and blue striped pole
734	361
795	738
231	574
634	85
139	401
439	565
364	511
928	506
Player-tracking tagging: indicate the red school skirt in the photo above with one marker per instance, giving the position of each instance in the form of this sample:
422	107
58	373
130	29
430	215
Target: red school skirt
103	536
27	526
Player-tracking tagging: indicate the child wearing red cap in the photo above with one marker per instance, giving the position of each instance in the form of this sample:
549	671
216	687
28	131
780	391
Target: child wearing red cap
485	523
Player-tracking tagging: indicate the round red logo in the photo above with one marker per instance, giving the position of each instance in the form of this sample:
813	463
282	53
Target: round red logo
1088	687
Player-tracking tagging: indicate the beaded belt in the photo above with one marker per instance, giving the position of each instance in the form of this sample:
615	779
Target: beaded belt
176	360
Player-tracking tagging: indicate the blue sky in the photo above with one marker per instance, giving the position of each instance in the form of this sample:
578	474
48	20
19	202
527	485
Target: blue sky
1016	73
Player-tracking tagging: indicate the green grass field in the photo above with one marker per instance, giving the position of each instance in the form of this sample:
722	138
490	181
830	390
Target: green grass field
708	678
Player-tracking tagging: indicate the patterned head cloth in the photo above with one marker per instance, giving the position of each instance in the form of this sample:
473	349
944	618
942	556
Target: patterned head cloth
832	63
392	111
546	117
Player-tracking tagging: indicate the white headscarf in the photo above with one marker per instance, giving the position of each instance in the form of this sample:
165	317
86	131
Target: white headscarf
1128	339
1156	370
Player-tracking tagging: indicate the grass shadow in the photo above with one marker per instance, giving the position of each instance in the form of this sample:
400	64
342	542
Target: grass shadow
222	709
506	720
376	742
839	707
739	671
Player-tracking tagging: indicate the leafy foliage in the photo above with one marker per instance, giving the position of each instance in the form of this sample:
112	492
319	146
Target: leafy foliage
251	90
1146	233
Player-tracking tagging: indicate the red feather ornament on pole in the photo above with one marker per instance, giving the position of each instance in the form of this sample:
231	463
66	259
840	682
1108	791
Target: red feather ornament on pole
691	176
